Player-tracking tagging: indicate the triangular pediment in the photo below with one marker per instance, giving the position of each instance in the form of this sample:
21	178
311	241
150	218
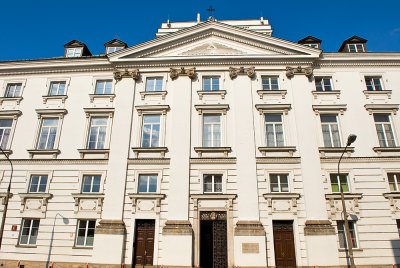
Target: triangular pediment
214	40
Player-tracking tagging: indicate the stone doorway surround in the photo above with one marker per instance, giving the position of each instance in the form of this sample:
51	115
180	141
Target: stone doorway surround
213	202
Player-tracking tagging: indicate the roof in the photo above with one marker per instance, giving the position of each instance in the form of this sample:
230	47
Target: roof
352	40
77	43
115	42
309	39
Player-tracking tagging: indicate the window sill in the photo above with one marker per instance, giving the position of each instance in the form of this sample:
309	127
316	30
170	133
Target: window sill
369	93
204	150
354	249
281	93
284	149
347	196
392	195
317	94
281	195
268	108
61	98
7	152
34	153
150	151
11	99
44	196
203	93
88	202
216	196
94	153
333	108
25	246
381	108
334	151
161	94
146	202
3	197
94	97
386	149
82	247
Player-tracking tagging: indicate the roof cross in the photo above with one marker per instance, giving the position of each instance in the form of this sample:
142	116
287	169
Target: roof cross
210	11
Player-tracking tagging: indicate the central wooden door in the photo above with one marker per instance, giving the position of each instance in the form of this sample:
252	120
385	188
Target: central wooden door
144	243
285	255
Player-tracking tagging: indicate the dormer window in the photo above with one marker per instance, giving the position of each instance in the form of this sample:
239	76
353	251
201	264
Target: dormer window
114	45
354	44
312	45
311	41
354	48
113	49
74	52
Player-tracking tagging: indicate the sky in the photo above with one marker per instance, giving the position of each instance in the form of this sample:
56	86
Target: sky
33	29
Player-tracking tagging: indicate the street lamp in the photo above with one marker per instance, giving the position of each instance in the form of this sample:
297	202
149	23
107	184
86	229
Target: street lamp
6	198
350	139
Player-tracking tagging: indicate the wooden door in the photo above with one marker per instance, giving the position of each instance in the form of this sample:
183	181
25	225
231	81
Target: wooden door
144	243
285	255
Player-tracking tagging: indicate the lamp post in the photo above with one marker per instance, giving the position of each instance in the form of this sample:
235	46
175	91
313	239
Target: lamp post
6	198
350	139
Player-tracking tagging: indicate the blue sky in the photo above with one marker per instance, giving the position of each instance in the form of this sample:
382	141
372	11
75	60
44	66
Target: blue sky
32	29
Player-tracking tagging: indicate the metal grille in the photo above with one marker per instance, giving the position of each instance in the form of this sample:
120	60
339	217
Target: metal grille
220	256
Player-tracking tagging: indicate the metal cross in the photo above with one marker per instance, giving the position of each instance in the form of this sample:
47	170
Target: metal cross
210	10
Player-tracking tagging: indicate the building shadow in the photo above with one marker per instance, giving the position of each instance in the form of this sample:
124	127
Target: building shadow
395	245
65	221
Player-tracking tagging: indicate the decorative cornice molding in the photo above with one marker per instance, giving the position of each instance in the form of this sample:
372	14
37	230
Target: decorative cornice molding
361	159
278	160
56	161
119	75
190	72
234	72
307	71
211	160
148	161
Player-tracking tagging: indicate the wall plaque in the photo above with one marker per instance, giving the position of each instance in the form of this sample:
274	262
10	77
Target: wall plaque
250	248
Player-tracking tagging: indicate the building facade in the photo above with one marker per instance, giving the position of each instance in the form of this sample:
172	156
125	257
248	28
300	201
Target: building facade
212	145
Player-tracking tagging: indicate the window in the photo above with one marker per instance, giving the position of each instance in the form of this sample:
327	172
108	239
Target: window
398	226
38	184
342	234
103	87
147	183
13	90
373	83
29	231
57	88
85	233
330	130
394	182
154	84
212	183
212	130
113	49
91	184
279	183
384	130
274	130
97	133
270	83
47	134
336	186
151	130
323	83
74	52
211	83
311	45
356	47
5	130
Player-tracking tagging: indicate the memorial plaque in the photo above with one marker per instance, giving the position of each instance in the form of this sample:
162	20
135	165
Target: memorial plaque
250	248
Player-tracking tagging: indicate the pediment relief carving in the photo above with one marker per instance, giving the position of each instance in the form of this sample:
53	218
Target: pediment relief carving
212	48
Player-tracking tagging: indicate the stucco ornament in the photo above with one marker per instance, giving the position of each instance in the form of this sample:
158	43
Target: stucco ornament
307	71
119	75
176	72
234	72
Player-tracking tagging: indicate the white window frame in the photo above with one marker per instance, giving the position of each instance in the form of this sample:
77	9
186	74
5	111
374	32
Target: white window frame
47	114
102	174
151	135
13	81
113	48
148	175
274	127
74	51
152	110
56	79
211	77
344	233
313	45
384	133
330	130
86	232
220	126
39	183
156	78
29	232
269	77
139	172
41	127
49	93
91	184
396	178
222	172
98	127
12	85
31	173
372	77
99	80
213	183
356	49
338	181
11	134
323	78
279	174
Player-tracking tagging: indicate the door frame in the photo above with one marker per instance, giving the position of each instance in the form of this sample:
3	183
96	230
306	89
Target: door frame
131	248
295	240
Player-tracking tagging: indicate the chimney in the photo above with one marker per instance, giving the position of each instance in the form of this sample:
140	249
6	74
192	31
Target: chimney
198	17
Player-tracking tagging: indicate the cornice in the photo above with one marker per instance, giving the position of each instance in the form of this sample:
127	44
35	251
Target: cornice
148	161
278	160
56	161
221	160
372	159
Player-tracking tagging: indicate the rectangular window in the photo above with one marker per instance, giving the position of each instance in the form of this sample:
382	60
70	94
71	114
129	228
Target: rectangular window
323	83
384	130
38	184
270	83
97	133
103	87
29	231
311	45
336	186
212	130
274	130
113	49
74	52
330	130
373	83
13	90
211	83
154	84
147	183
342	234
47	134
151	130
5	130
85	233
394	182
279	183
356	48
91	184
57	88
212	183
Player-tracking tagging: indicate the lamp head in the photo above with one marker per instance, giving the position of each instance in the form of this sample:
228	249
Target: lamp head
350	139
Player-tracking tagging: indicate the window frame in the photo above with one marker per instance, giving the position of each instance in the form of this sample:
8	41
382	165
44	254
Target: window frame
13	81
103	80
213	183
98	112
373	77
48	114
116	48
396	180
156	78
355	233
275	134
279	174
151	110
74	54
323	86
91	184
29	232
98	133
221	172
211	77
39	184
330	130
56	138
29	175
7	90
139	172
86	232
389	115
269	77
340	185
11	134
356	49
203	127
148	175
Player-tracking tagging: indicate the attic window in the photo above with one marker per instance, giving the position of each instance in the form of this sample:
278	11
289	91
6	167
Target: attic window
113	49
354	48
73	52
313	45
